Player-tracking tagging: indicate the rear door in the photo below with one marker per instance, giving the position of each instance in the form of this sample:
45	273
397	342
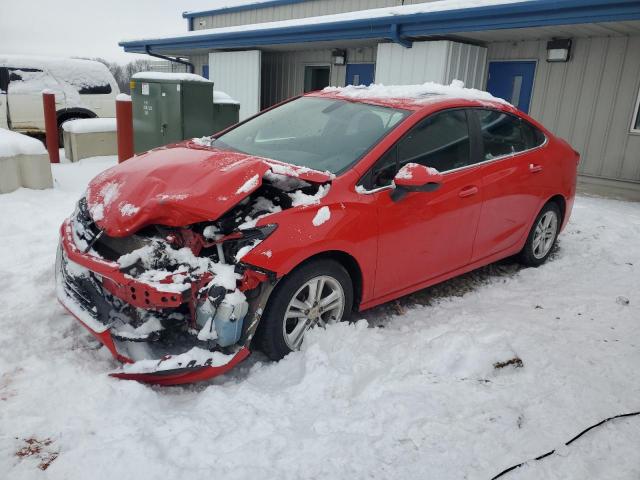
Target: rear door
514	179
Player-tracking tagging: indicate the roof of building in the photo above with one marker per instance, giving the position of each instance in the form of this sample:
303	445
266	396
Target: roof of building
399	23
230	6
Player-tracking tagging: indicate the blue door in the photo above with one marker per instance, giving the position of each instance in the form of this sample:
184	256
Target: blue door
205	71
512	81
360	73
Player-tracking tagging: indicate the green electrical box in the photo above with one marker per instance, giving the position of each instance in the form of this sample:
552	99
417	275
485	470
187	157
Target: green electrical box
226	111
169	108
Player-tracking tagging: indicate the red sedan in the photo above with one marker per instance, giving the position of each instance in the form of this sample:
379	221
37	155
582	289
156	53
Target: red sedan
184	258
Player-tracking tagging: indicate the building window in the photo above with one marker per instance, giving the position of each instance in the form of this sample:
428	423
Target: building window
635	121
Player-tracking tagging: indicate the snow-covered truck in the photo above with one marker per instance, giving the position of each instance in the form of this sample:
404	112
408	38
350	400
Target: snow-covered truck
83	89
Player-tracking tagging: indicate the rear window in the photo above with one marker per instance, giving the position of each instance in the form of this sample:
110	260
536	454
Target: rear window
504	134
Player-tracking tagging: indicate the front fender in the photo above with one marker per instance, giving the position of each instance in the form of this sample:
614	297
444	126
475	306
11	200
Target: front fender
351	228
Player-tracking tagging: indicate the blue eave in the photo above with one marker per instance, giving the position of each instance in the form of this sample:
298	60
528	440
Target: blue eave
240	8
539	13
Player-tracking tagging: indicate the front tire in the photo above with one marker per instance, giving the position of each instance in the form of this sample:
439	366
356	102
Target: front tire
542	237
315	294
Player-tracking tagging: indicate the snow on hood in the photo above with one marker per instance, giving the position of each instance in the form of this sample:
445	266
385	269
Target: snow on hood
180	185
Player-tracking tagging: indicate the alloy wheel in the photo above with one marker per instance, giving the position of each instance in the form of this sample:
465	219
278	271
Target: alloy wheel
545	234
318	302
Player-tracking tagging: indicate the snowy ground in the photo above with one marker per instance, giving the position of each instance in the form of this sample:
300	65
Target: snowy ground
411	392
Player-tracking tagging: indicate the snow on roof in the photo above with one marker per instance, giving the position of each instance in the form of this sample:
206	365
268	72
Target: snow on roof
14	143
77	72
220	98
423	92
176	76
226	4
436	6
90	125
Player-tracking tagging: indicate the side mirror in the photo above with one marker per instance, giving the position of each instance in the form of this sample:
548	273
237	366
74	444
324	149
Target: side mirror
413	177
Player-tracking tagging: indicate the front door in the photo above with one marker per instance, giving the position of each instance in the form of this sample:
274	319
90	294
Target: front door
427	234
360	73
512	81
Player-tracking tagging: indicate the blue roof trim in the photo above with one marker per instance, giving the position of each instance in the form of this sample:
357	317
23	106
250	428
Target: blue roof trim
240	8
538	13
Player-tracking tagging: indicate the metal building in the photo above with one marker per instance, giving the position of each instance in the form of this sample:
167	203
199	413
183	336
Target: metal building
572	64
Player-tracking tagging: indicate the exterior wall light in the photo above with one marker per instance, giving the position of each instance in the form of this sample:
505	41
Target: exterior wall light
558	50
339	57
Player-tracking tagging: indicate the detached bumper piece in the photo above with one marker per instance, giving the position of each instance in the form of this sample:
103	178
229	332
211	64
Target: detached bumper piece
144	327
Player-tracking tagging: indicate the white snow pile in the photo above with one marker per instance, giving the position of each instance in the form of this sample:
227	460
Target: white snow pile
200	355
90	125
156	256
322	215
299	198
172	76
105	197
423	92
249	185
222	98
14	143
123	97
417	399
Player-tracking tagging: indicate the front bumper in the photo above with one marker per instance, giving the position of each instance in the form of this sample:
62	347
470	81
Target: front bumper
89	287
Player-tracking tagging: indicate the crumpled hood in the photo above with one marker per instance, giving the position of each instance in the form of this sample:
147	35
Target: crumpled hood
180	185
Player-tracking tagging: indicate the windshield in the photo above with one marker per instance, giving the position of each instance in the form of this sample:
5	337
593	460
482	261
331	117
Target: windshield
319	133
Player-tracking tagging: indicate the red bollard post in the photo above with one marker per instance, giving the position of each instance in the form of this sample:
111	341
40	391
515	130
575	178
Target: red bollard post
51	125
124	127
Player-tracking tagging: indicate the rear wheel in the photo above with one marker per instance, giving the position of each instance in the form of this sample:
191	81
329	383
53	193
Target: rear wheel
542	237
316	294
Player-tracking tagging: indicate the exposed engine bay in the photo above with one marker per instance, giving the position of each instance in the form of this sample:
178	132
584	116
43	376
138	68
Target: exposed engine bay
179	297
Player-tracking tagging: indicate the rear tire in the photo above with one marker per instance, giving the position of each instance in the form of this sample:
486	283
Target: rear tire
542	237
315	294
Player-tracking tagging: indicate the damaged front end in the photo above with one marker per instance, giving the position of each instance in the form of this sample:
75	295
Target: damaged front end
175	305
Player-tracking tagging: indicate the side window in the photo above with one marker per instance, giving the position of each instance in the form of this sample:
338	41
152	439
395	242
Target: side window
504	134
101	89
440	141
4	79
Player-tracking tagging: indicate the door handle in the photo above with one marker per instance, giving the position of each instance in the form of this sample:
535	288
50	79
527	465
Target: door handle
535	168
468	191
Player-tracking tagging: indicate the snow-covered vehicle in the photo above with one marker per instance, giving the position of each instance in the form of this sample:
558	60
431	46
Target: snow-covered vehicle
83	89
183	258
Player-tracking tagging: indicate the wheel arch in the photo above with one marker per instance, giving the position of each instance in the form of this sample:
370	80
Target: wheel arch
562	205
348	262
65	113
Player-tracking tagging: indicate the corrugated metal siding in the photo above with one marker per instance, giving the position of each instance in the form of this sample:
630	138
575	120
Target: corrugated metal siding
198	61
238	74
438	61
298	10
283	72
588	101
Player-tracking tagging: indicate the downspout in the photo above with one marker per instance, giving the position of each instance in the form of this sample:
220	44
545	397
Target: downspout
189	65
397	38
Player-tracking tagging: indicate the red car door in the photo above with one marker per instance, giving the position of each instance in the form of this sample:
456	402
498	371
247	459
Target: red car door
513	178
427	234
